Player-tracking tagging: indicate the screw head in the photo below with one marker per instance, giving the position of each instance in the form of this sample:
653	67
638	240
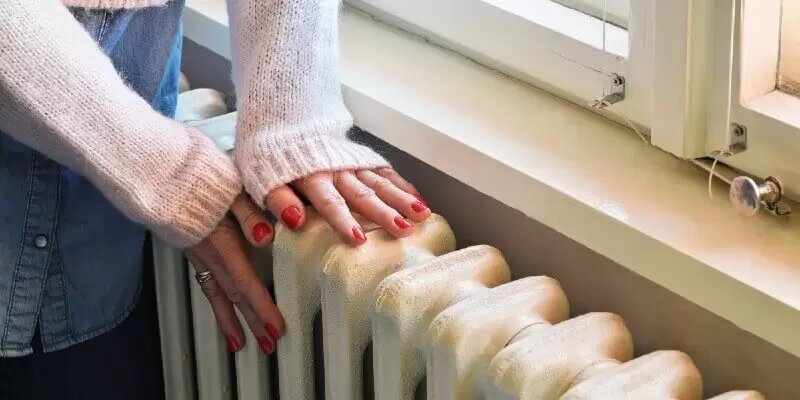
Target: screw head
737	130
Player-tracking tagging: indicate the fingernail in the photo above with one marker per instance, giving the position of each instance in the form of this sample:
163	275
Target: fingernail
233	344
260	231
273	333
291	217
401	222
359	235
421	200
418	206
266	345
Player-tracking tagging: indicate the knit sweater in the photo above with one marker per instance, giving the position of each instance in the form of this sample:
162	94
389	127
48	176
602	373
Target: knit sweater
60	95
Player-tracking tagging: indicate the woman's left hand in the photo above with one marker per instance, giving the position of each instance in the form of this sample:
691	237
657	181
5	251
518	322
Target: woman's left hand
381	196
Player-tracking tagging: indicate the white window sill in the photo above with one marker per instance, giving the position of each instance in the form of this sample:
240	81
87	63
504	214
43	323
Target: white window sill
587	178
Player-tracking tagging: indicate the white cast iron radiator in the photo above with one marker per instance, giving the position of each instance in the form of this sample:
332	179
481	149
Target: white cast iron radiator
451	318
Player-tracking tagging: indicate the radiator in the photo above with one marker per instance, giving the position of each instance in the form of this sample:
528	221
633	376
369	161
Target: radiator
442	322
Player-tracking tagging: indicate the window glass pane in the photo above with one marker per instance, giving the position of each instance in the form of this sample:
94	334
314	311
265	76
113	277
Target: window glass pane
616	10
789	66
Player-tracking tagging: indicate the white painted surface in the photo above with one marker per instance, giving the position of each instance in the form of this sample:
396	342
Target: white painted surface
773	145
589	179
463	339
211	353
314	270
539	41
174	322
681	68
658	375
545	364
615	11
406	303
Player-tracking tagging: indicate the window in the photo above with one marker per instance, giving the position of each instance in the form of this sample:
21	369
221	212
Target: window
697	72
789	68
614	11
560	46
760	93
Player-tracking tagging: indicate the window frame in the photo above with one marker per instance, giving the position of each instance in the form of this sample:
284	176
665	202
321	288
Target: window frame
750	94
570	72
683	60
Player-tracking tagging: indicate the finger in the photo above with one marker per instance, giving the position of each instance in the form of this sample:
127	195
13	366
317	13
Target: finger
265	340
244	287
221	307
255	226
283	203
223	311
364	200
329	203
392	175
394	197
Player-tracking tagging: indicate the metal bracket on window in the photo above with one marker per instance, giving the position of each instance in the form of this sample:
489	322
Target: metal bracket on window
738	139
617	93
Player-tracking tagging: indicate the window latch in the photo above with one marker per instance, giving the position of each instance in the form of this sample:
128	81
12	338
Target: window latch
617	93
747	196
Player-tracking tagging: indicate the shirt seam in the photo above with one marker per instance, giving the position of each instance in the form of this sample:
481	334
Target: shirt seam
55	247
18	263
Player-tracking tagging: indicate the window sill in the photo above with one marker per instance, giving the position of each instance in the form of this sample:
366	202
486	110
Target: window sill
588	178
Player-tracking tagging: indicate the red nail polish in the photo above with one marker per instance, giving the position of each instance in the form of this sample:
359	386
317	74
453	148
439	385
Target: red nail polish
260	231
421	200
265	344
418	206
233	344
291	217
359	235
273	333
401	222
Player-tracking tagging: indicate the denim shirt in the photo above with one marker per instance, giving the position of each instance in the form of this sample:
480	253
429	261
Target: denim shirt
70	263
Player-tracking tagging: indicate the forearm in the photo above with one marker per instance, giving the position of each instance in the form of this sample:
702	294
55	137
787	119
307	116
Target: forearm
60	95
292	118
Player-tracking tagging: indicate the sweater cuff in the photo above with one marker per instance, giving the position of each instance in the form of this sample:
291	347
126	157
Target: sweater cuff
266	164
200	197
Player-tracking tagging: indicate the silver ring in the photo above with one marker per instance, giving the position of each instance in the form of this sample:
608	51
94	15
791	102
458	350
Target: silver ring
203	277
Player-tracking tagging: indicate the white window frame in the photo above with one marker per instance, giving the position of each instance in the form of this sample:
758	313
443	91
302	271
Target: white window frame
771	117
553	47
617	11
720	79
682	60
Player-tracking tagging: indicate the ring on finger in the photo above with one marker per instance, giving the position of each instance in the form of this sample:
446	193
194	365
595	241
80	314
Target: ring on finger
203	277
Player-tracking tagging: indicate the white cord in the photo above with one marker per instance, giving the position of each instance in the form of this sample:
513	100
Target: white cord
720	154
609	106
603	74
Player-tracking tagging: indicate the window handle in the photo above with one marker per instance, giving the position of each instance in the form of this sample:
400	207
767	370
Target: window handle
747	196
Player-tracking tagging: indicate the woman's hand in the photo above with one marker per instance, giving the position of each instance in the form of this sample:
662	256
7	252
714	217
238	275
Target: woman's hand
228	279
381	196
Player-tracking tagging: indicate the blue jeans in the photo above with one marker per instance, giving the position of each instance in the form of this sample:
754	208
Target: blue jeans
70	263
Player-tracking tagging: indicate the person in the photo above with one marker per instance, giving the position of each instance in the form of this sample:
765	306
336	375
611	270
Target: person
90	160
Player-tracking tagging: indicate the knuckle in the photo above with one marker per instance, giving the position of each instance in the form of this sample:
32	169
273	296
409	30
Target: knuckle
362	192
388	172
382	185
234	296
211	291
250	217
332	201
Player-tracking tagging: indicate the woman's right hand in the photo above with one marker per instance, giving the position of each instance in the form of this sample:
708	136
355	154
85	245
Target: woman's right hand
233	280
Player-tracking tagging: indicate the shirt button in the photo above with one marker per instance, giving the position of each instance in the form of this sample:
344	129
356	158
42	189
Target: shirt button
40	241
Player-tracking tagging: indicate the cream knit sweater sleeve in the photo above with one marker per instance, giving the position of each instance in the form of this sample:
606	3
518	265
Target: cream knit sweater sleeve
292	118
61	96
